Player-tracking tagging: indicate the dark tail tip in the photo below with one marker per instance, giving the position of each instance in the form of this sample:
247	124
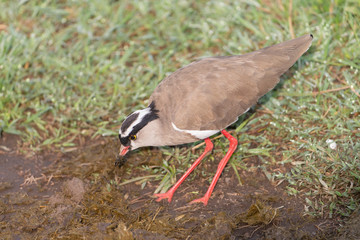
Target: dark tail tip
311	35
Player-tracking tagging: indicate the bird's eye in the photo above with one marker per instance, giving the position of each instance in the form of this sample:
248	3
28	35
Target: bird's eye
133	137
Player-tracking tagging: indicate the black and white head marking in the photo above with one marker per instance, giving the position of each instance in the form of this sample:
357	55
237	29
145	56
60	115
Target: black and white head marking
135	122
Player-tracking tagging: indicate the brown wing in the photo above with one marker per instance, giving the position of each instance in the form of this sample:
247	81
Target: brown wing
211	93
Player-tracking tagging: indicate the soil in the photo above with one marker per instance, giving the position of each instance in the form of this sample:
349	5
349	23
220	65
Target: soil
79	196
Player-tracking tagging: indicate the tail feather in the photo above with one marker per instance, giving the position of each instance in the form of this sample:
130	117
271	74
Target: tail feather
275	60
283	55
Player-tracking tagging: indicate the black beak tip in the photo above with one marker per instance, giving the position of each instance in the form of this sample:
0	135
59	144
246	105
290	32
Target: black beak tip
120	161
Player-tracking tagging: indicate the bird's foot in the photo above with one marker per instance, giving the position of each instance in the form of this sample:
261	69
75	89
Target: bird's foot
169	194
204	200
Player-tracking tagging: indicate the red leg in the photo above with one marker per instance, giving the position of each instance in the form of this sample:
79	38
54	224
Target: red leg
222	164
169	194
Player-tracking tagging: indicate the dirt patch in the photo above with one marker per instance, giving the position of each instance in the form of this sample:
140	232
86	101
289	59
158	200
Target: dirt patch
23	174
77	196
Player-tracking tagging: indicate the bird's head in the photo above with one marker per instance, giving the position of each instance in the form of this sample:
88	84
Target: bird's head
137	130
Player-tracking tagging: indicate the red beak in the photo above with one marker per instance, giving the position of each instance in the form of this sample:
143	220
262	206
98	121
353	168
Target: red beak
124	150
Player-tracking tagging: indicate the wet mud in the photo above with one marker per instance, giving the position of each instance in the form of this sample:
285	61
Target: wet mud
80	196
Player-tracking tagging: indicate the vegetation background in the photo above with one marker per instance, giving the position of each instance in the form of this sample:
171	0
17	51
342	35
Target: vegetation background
71	71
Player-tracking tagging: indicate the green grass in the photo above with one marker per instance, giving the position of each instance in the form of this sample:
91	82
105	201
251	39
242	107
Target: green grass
72	70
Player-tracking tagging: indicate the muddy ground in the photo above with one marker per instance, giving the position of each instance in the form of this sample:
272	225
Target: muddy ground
77	196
